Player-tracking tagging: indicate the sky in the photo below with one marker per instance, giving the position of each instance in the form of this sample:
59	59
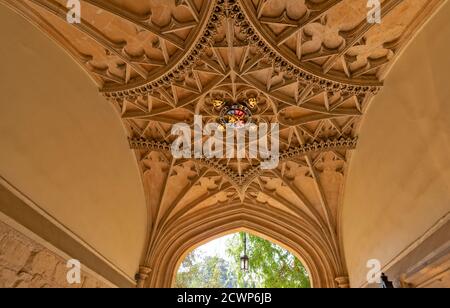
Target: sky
216	247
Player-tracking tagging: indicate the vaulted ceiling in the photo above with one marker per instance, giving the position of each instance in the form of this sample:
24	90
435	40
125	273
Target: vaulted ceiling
314	66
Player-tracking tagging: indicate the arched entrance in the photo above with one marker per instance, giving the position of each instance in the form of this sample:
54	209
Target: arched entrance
241	259
311	247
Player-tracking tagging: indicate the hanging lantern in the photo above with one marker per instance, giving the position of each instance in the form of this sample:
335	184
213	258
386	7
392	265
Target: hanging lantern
245	266
244	263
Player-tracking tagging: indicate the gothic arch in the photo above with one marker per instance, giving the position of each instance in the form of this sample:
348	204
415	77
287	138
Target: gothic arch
309	246
247	230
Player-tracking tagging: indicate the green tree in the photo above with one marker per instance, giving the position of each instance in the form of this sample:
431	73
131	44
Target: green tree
199	271
271	266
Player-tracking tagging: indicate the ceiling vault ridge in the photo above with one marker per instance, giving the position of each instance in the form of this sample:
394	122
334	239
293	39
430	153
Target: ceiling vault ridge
349	143
313	67
231	9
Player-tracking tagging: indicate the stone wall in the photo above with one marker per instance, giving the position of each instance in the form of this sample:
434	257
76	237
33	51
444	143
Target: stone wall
27	264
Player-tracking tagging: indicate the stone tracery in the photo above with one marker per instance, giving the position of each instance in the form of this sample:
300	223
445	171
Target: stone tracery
315	67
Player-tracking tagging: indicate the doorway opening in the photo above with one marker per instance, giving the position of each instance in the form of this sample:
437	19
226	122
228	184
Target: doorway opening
241	260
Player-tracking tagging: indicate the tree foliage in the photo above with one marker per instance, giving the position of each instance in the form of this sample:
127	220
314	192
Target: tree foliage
199	271
271	266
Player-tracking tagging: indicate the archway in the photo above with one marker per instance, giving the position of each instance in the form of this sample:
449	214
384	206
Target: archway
313	249
219	263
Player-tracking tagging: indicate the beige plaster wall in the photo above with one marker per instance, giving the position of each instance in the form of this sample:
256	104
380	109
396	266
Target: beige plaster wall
63	146
399	179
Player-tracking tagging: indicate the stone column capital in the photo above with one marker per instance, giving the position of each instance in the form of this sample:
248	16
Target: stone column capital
343	282
142	276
